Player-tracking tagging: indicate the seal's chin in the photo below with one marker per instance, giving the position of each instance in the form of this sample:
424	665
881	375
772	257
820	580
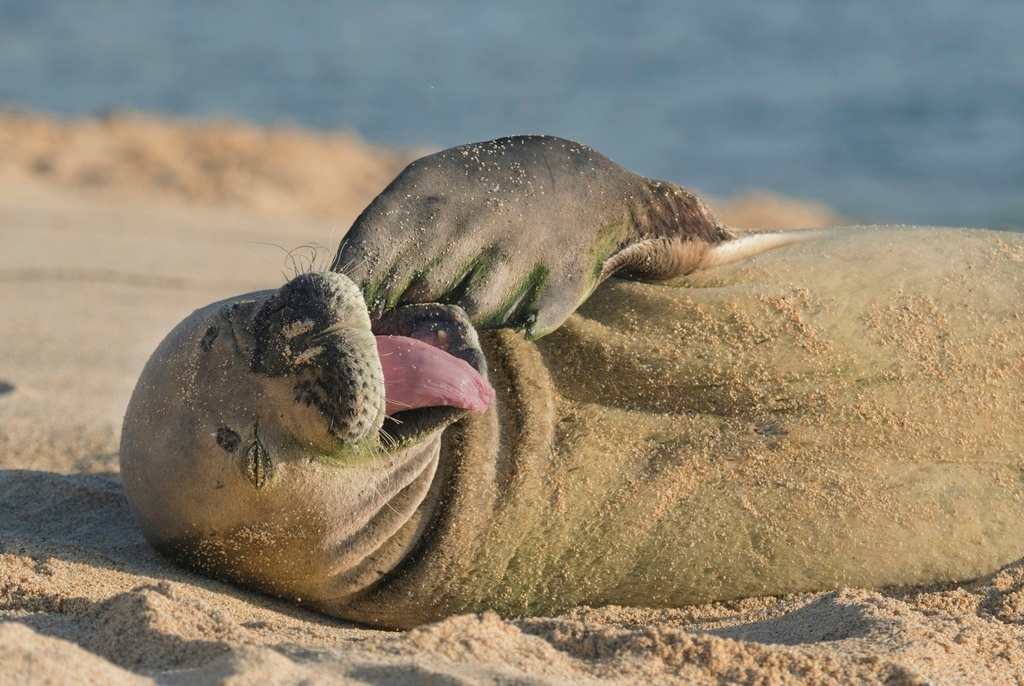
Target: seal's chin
434	371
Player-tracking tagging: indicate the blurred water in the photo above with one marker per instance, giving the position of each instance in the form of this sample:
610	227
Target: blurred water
896	111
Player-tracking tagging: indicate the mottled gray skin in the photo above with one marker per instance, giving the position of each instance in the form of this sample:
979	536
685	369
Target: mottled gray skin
842	412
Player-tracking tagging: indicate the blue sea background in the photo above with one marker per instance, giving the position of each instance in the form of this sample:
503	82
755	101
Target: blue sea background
888	110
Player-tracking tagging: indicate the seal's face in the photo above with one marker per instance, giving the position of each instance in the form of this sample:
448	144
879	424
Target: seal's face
258	447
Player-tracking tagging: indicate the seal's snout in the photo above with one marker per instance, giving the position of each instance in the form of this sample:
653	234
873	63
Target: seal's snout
287	327
314	335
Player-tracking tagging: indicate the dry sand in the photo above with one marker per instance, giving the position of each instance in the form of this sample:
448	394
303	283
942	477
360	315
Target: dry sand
111	231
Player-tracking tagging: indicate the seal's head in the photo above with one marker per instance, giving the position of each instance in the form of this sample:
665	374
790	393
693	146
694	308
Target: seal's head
268	444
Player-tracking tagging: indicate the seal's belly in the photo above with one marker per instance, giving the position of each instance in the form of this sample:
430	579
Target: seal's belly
840	413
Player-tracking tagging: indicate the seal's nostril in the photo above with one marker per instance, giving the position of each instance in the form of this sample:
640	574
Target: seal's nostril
6	387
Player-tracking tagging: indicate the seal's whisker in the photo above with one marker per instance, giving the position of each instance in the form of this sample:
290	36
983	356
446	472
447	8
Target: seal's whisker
348	266
404	405
324	253
384	500
317	258
299	262
289	260
382	395
332	256
356	296
302	259
275	245
388	441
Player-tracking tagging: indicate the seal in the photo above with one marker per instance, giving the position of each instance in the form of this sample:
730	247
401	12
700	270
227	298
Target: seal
840	410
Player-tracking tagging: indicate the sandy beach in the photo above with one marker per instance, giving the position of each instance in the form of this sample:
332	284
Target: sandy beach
111	231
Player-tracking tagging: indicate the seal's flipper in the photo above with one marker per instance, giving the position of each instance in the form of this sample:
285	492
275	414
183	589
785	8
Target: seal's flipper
519	231
656	259
660	259
673	233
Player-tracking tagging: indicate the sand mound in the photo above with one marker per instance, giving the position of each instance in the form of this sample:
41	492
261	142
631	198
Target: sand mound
156	627
280	170
29	658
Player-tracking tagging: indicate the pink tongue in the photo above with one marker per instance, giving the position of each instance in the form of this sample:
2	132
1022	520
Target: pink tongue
419	375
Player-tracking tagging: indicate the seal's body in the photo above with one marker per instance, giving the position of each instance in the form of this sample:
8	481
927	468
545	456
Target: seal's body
839	411
846	412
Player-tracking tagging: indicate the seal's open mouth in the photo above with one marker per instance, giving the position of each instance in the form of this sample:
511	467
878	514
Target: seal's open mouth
434	370
417	375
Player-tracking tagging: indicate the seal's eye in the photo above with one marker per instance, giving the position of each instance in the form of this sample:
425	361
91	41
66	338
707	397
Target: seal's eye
228	439
209	337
